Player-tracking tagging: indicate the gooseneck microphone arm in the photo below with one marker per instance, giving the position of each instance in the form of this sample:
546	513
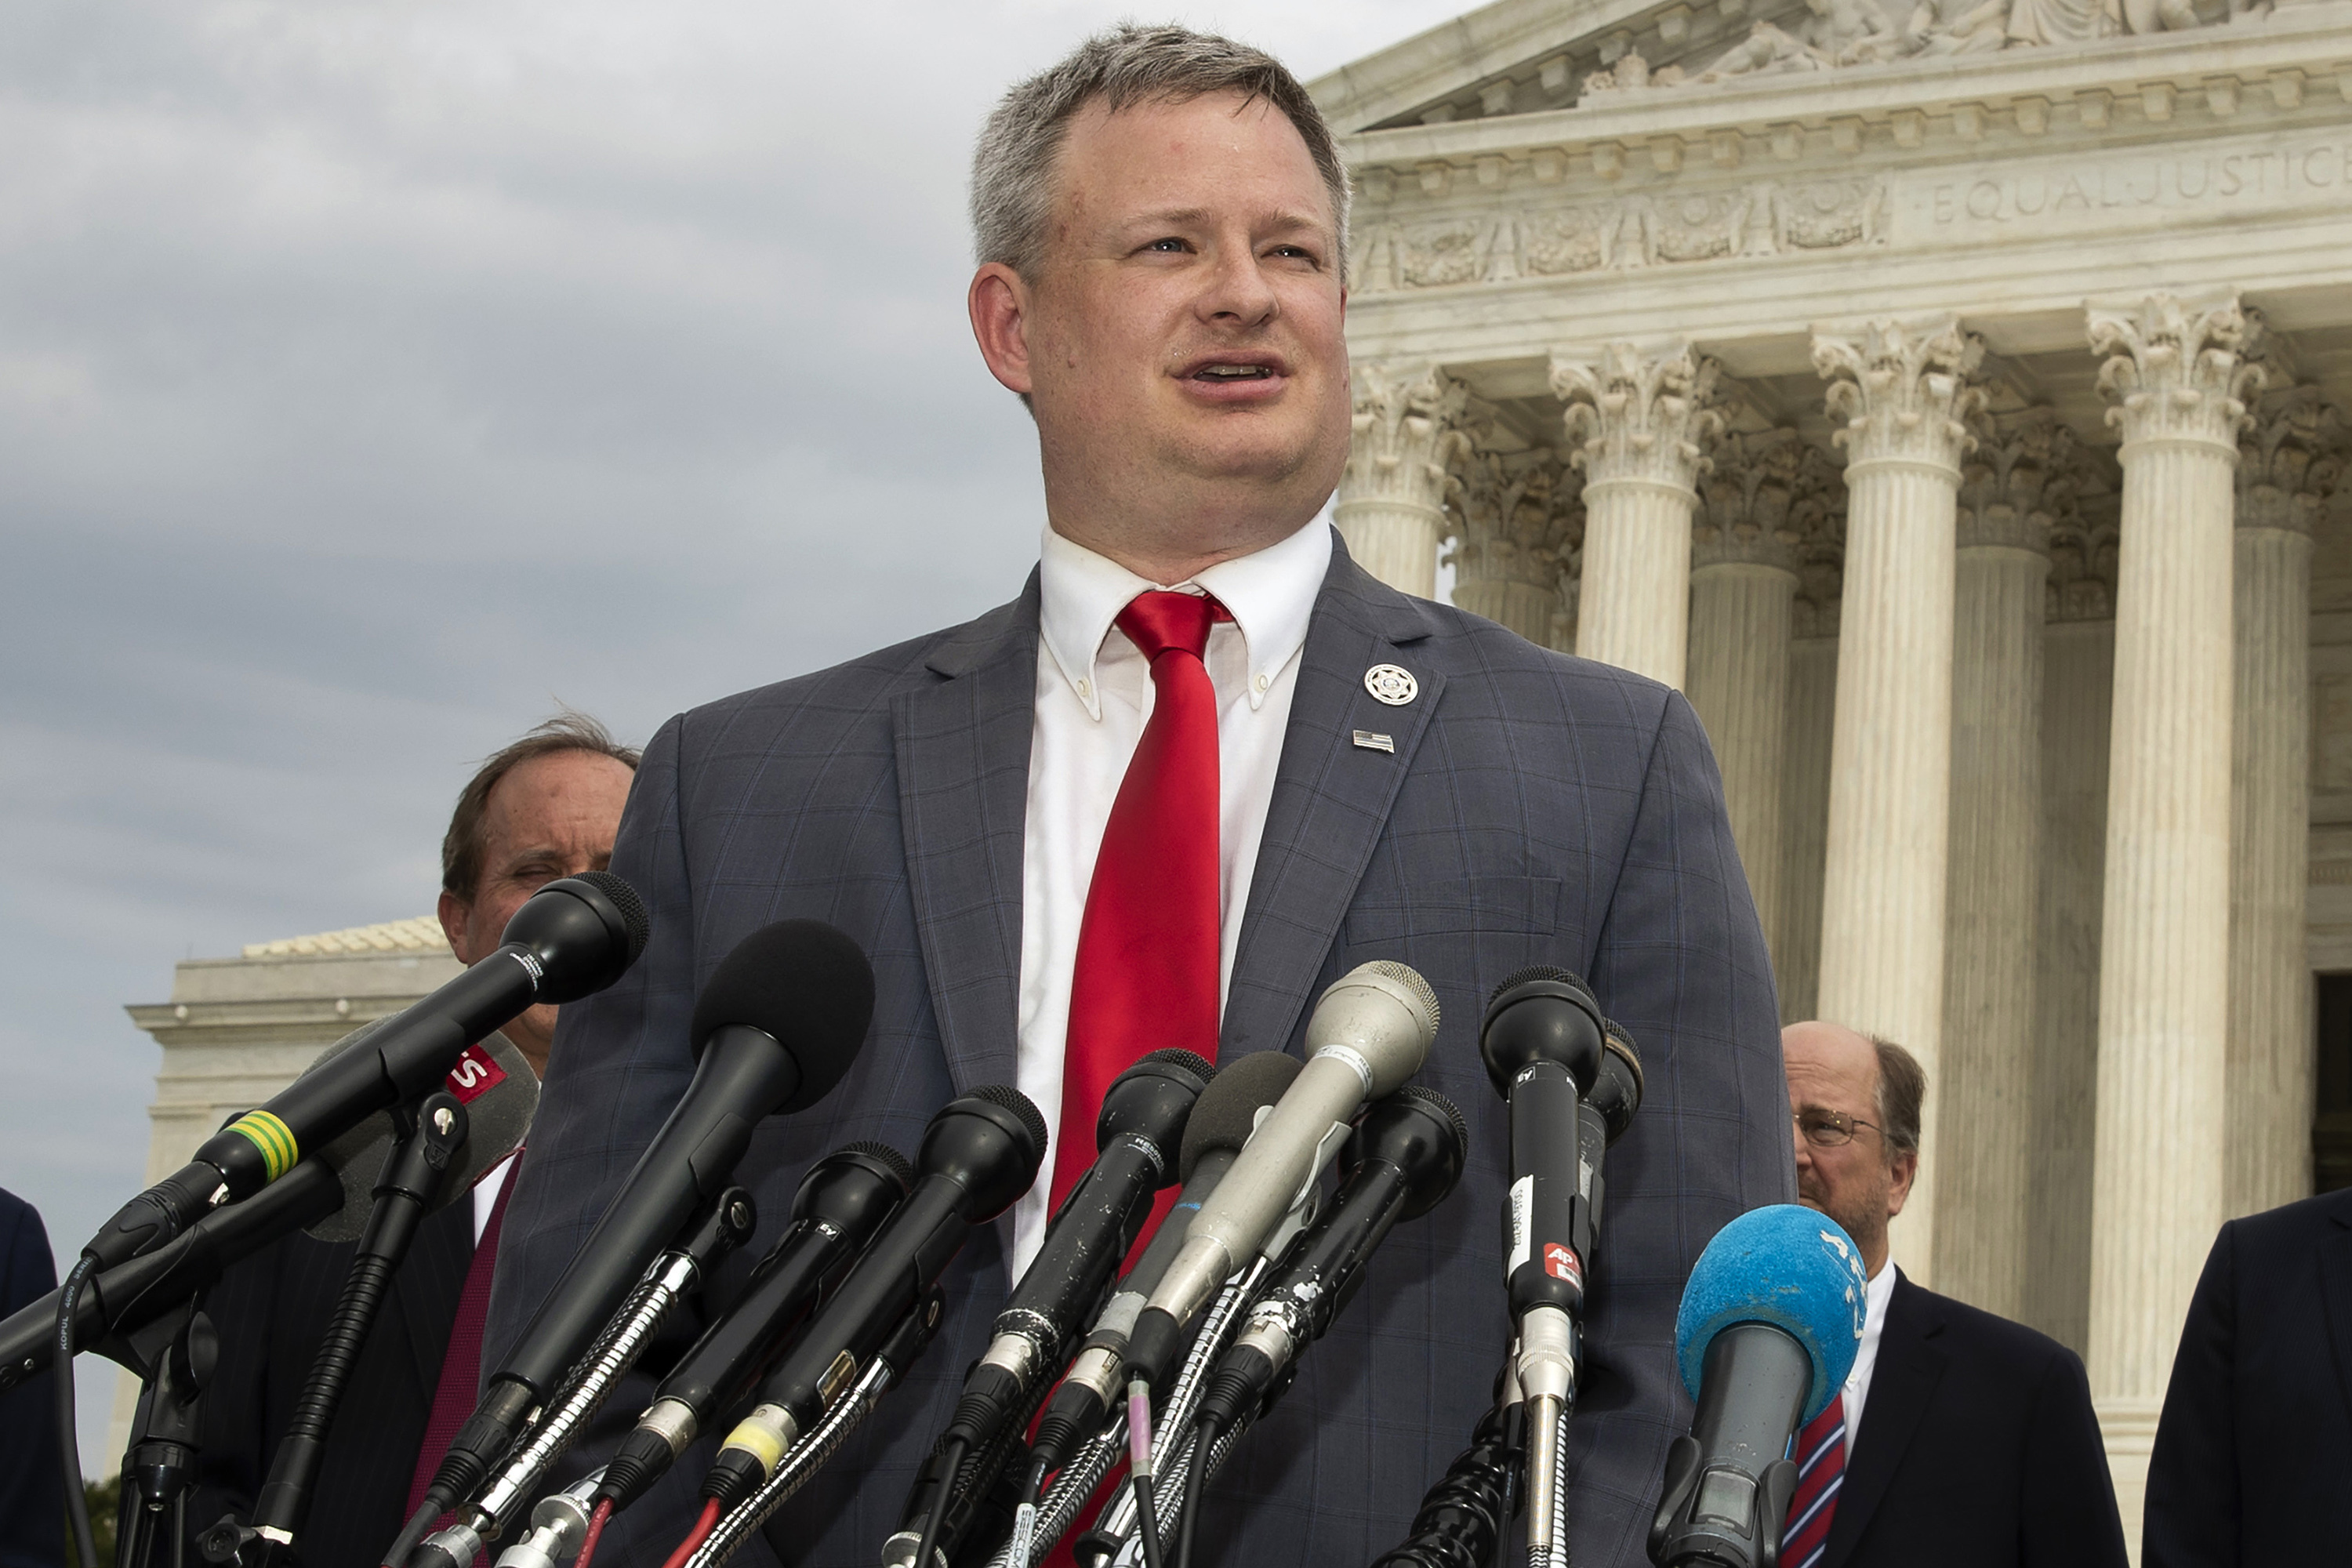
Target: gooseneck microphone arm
419	1163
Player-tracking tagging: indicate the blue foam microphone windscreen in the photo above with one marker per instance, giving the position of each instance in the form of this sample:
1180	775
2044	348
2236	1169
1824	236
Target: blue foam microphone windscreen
1788	1265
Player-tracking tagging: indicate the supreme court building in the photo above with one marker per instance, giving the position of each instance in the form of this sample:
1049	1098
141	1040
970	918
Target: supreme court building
1950	402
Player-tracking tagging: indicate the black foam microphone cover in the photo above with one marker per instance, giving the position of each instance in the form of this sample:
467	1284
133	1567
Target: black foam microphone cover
1228	1109
805	985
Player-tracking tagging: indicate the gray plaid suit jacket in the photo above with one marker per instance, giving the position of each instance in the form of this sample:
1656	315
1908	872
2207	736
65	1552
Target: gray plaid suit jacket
1537	809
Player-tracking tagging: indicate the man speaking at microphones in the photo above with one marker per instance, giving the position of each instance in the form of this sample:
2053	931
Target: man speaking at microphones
1203	765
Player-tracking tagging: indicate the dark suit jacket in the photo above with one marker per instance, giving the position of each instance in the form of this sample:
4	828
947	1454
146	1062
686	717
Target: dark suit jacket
270	1311
2254	1453
32	1473
1978	1449
1537	809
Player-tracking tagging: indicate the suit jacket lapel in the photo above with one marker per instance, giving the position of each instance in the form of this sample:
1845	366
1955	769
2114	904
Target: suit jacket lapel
962	746
1331	799
1901	1384
2335	1293
427	1284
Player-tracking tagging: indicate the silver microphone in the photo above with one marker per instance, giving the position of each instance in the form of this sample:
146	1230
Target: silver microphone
1368	1033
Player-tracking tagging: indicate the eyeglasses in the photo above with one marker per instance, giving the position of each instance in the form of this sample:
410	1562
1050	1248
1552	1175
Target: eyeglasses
1829	1129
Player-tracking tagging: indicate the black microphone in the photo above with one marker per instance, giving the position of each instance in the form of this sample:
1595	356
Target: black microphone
124	1298
330	1194
1541	1041
778	1024
1406	1155
572	937
1219	1124
1766	1335
1138	1137
841	1203
979	1154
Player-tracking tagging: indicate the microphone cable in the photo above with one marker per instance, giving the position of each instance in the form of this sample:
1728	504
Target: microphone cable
596	1523
68	1438
695	1537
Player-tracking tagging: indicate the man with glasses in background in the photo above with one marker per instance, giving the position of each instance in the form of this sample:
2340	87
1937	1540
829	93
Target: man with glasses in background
1979	1446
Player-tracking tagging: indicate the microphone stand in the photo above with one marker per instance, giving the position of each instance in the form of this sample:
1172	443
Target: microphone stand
429	1142
174	1357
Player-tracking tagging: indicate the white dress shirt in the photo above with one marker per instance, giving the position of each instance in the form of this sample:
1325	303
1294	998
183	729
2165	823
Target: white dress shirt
1865	1356
1094	695
486	1193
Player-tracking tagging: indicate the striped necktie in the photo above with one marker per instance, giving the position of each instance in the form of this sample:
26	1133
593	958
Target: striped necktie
1821	1470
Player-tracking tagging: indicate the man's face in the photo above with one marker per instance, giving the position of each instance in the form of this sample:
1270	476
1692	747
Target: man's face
1857	1184
552	816
1184	330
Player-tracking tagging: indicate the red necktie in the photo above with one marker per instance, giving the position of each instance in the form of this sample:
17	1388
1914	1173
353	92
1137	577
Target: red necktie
1821	1469
461	1365
1146	977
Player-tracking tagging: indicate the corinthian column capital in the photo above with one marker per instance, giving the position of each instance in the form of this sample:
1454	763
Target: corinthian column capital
1408	436
1639	416
1515	515
1906	389
2292	451
2176	370
2024	477
1761	500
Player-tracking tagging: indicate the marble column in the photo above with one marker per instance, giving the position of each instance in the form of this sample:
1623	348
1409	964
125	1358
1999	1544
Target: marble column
2174	373
2289	460
1641	419
1905	391
1983	1125
1516	514
1745	556
1391	507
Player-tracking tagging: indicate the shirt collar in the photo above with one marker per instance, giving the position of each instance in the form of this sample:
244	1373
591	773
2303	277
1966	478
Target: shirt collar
1271	594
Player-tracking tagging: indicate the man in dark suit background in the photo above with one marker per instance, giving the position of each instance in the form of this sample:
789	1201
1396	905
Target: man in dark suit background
2255	1448
1962	1438
32	1475
1160	222
543	807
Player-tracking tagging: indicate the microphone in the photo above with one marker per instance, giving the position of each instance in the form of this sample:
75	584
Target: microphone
1406	1156
1138	1135
979	1154
1541	1041
1766	1333
129	1296
494	1082
1368	1033
1228	1112
841	1203
572	937
330	1193
775	1028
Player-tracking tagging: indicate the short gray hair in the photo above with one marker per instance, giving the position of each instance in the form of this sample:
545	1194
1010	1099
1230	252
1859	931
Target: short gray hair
1901	1092
1013	166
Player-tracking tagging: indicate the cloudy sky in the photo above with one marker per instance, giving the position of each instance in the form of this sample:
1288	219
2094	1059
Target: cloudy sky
373	376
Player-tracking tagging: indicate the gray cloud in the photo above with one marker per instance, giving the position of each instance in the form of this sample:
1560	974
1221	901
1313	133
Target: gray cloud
374	375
